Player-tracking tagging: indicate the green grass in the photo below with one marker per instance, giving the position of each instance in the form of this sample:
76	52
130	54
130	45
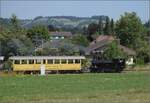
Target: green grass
76	88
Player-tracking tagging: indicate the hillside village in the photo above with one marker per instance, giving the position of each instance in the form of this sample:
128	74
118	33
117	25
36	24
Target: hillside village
102	37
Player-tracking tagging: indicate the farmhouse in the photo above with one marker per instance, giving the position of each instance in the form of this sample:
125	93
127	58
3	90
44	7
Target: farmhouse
100	44
60	35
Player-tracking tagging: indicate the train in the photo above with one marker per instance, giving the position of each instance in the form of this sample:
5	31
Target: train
114	65
64	64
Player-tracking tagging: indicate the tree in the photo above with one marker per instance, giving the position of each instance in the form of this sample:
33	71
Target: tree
129	28
15	22
147	24
84	31
100	27
14	40
80	40
15	44
113	51
92	29
132	33
37	33
112	26
143	51
107	29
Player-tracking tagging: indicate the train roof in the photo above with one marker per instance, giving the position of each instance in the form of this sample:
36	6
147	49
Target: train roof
45	57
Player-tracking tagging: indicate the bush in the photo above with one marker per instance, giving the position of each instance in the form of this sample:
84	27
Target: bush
7	65
113	51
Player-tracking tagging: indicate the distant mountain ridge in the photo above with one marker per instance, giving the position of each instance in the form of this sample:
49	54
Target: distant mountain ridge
57	21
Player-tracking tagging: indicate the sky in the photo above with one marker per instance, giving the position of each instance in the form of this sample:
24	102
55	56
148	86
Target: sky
31	8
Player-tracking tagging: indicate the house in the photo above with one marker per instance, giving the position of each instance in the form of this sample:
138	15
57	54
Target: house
60	35
100	44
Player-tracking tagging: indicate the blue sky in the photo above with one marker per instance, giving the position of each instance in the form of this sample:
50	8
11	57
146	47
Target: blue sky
31	9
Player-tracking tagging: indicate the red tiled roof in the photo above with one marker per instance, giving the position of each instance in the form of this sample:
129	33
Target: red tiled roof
102	38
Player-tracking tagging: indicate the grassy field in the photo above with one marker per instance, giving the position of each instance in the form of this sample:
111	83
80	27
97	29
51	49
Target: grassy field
76	88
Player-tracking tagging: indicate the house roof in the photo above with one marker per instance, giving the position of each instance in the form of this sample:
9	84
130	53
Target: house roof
66	34
127	50
103	38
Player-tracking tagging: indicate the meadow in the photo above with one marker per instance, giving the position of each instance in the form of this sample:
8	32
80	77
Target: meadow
131	87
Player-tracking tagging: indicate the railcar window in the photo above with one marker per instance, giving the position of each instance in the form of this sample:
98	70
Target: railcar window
31	61
70	61
77	61
44	61
63	61
17	62
38	61
50	61
57	61
24	62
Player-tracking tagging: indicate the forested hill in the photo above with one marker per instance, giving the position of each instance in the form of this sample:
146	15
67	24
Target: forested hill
57	21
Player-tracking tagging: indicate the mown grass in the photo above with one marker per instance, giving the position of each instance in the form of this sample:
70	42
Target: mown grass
76	88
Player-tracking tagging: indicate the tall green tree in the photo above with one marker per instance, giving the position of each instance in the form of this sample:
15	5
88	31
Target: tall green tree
38	33
92	29
147	24
100	27
80	40
129	28
107	29
15	44
113	51
14	40
15	23
132	33
112	26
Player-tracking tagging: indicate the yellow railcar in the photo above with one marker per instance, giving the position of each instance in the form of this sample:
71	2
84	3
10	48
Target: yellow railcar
51	63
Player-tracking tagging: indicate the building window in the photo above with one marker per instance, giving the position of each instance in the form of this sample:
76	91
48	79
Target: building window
50	61
57	61
17	62
38	61
44	61
31	61
24	62
62	37
77	61
63	61
70	61
56	37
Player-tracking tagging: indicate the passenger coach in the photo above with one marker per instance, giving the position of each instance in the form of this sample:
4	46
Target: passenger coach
51	63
